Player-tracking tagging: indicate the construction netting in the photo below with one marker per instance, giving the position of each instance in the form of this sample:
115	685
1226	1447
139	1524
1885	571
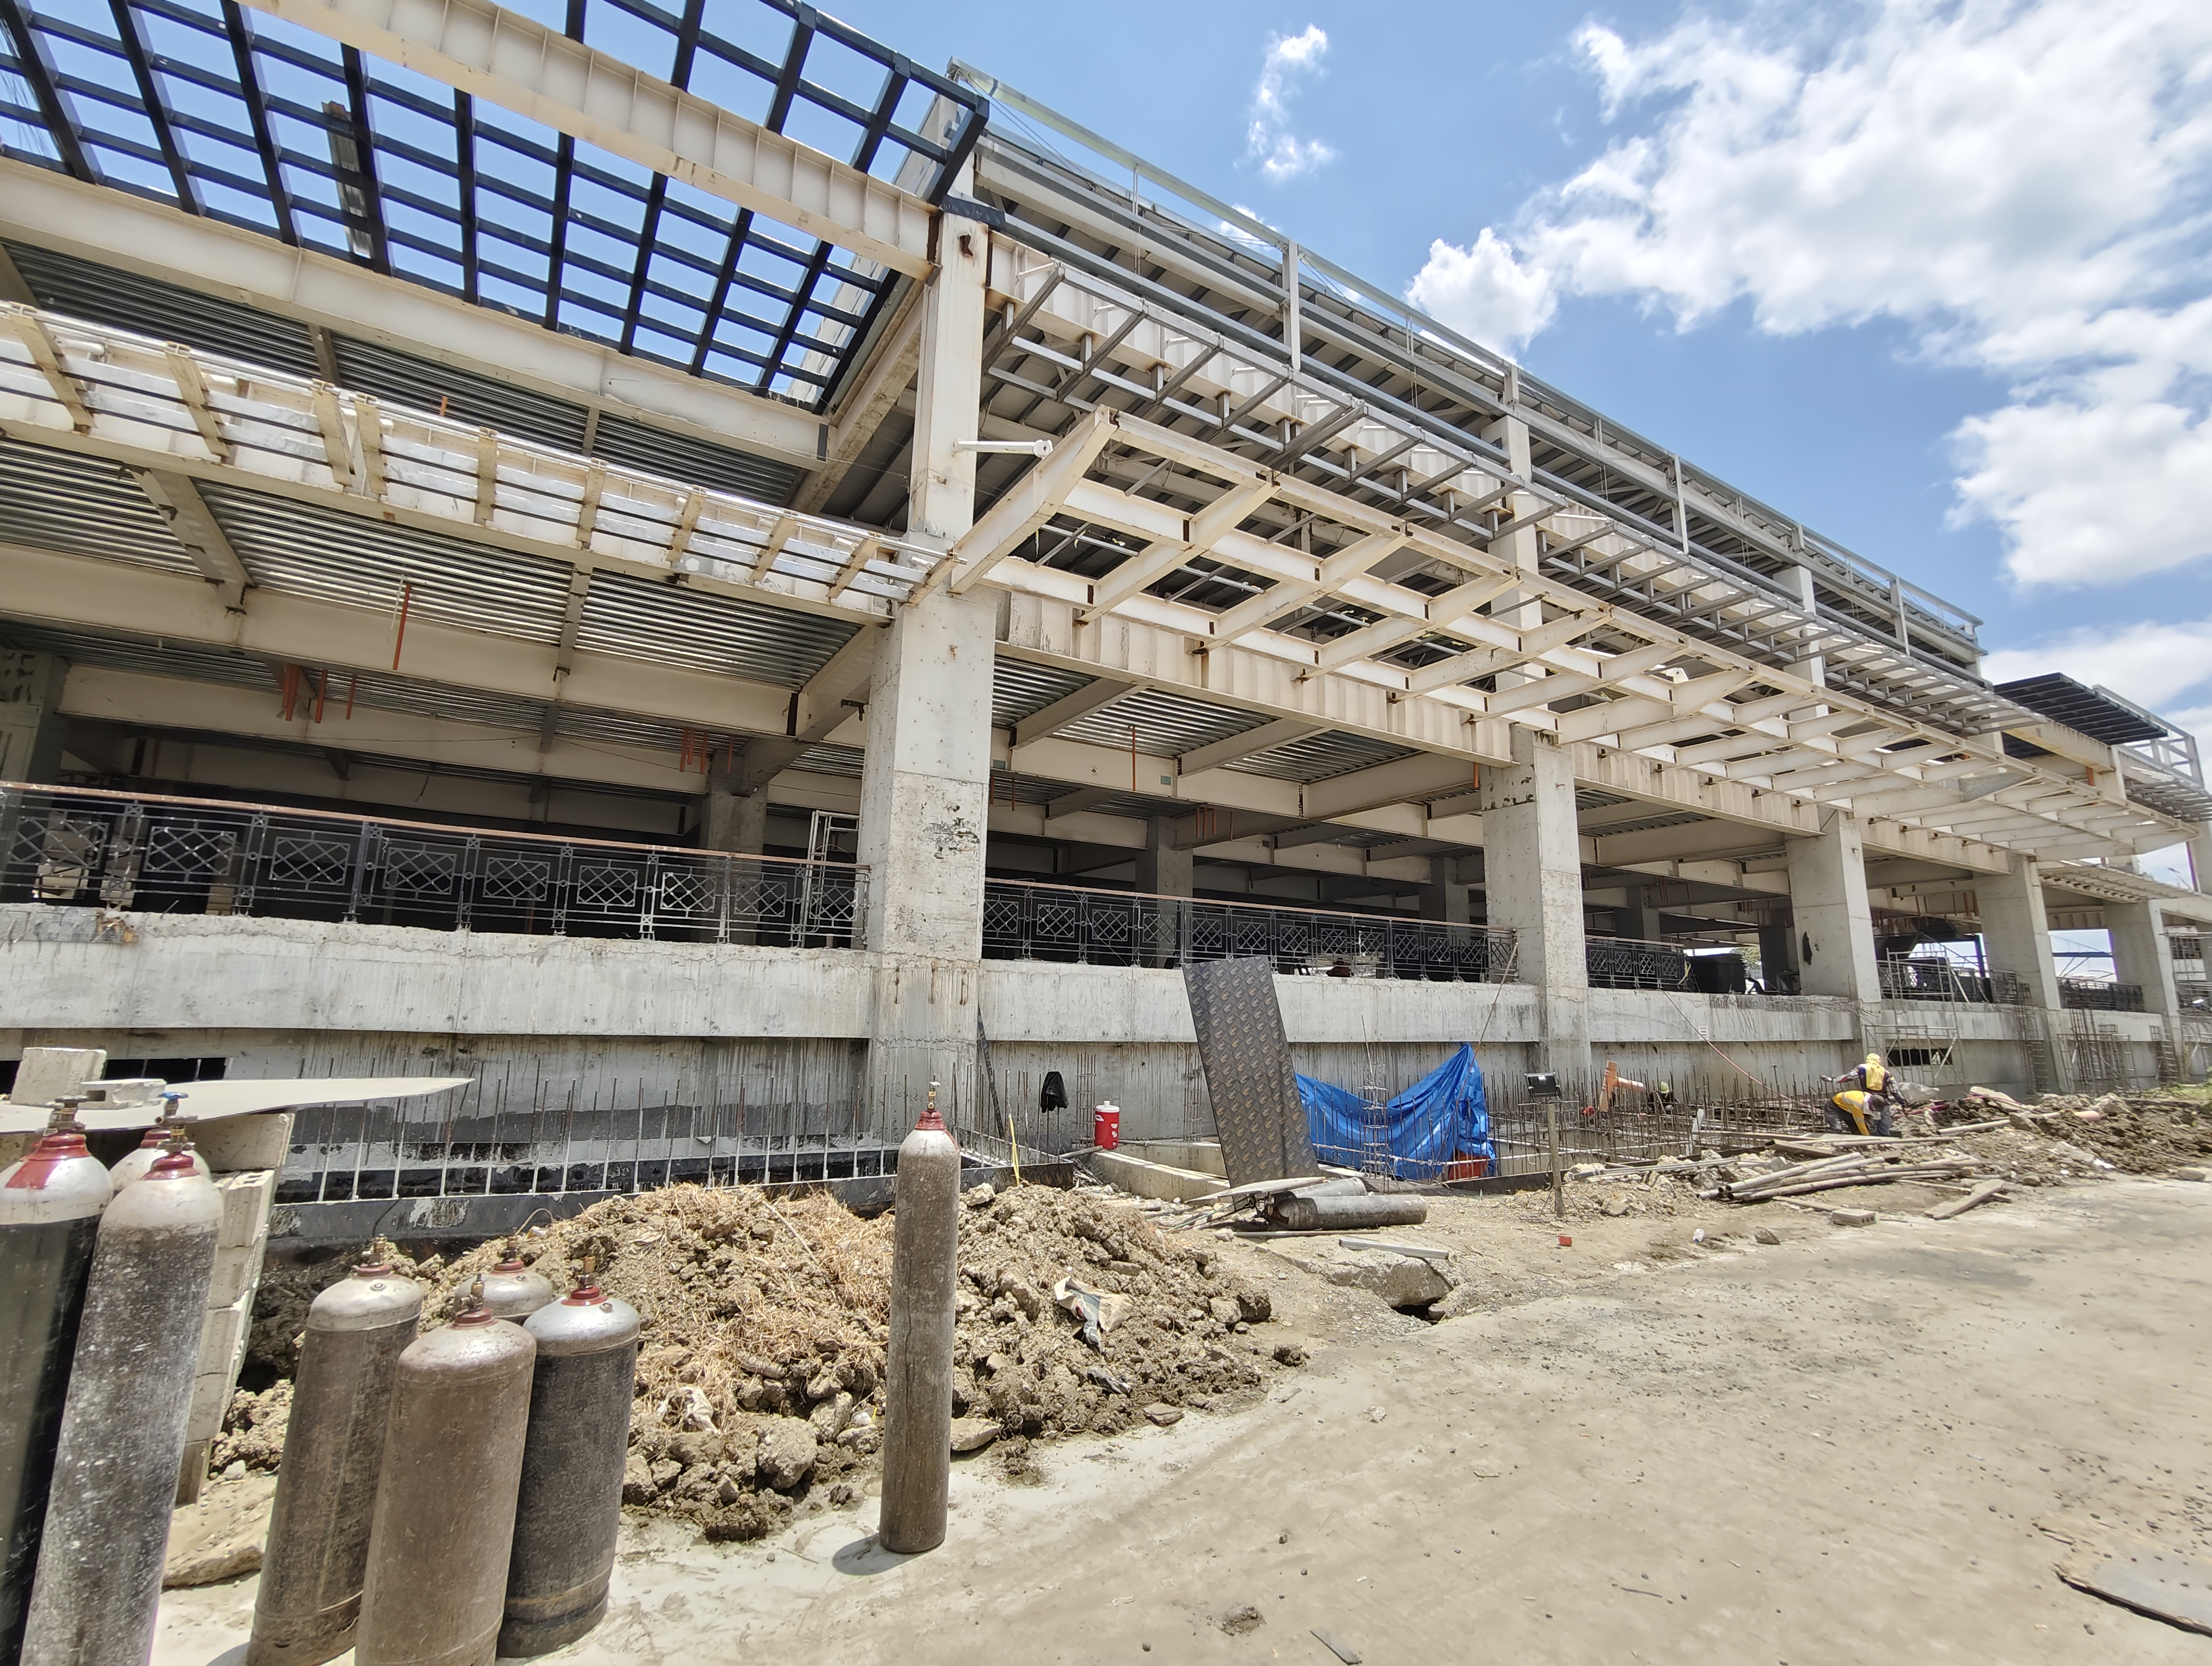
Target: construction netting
1437	1129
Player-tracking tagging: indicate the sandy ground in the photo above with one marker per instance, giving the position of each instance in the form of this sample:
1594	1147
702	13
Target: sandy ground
1833	1449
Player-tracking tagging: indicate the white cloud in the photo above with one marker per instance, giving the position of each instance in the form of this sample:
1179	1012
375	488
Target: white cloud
2149	663
2028	186
1268	140
1484	292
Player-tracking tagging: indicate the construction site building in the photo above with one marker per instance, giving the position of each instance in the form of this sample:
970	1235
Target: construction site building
669	565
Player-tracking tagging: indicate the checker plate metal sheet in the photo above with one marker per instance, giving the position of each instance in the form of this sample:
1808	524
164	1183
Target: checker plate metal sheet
1242	1049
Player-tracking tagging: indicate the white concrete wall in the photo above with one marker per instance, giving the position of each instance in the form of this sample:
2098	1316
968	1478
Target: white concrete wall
619	1022
210	972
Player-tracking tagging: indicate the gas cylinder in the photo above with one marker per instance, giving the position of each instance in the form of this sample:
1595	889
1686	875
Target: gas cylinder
123	1422
570	1507
444	1523
918	1359
50	1205
134	1164
512	1291
310	1597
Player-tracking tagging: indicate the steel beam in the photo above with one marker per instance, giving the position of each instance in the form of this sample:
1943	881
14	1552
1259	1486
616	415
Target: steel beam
494	54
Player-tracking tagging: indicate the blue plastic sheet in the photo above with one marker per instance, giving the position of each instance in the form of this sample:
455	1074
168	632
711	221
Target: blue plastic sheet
1442	1120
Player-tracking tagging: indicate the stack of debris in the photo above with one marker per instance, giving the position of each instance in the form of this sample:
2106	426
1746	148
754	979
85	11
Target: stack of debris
1880	1165
764	1323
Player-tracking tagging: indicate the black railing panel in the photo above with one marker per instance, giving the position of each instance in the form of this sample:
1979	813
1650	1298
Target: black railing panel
1024	920
82	847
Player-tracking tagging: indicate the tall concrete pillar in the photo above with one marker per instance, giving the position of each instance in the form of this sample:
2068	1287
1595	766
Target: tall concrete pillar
1639	917
1162	870
2200	858
1446	896
2016	932
1165	871
924	788
1777	956
1532	865
31	725
1834	921
2142	954
734	821
1519	548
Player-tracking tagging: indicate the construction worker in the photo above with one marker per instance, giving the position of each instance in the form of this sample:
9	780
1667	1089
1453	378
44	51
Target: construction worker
1862	1107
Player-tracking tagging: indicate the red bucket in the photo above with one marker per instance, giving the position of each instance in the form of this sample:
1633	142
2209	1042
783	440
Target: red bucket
1106	1128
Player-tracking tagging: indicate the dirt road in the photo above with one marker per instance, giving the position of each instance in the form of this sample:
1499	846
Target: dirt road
1836	1449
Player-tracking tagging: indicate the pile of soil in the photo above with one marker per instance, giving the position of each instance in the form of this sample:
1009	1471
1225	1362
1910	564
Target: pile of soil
2144	1133
1616	1194
764	1323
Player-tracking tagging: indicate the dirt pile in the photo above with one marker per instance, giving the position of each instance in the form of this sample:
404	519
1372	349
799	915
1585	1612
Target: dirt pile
2140	1133
764	1323
1615	1193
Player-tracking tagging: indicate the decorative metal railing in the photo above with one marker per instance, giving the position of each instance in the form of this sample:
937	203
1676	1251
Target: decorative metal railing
1025	921
2090	994
1630	963
137	852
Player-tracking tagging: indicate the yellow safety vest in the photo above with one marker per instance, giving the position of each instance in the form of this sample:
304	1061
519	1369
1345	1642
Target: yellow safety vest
1877	1079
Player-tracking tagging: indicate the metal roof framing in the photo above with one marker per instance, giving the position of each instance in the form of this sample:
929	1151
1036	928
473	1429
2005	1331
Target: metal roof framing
65	383
1361	358
257	121
1182	533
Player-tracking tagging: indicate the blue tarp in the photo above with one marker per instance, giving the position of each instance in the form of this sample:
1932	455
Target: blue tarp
1442	1119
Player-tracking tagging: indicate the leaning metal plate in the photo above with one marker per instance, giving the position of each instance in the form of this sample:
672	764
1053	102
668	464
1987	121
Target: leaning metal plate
1246	1058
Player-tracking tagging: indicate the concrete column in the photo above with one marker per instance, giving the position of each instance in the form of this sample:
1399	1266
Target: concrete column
1532	865
1639	916
1164	871
2141	955
31	725
734	821
737	822
924	788
1777	957
1834	921
2016	931
1800	579
1519	548
1445	898
2200	858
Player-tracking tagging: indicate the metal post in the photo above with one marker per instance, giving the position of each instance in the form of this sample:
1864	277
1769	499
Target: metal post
1558	1174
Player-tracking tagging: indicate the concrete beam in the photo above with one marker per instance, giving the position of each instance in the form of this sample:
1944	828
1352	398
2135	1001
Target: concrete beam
136	701
61	590
506	59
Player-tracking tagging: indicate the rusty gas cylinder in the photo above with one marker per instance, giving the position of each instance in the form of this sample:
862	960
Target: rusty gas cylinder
438	1542
918	1358
309	1601
569	1506
123	1422
50	1205
135	1163
512	1291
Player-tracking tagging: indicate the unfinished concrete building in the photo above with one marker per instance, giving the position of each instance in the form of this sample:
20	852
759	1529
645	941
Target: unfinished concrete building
692	573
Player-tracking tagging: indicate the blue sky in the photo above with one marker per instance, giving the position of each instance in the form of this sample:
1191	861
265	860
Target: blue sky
1932	278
